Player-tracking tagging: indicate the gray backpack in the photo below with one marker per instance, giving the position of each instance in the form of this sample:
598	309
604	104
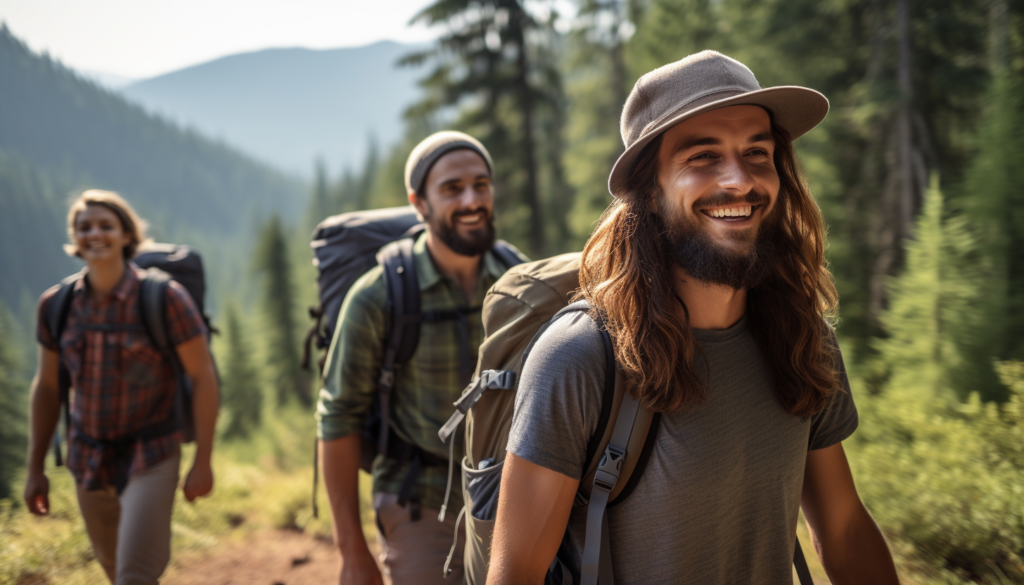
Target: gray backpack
520	306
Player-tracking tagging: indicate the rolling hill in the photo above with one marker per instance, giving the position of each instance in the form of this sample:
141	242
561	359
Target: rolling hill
60	133
290	106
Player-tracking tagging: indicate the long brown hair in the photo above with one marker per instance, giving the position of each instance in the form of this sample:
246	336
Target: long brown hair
626	273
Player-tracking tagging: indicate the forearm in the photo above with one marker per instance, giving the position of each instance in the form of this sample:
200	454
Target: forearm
205	404
44	412
340	460
859	554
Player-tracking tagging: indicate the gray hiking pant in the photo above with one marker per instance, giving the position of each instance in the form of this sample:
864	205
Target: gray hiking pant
131	534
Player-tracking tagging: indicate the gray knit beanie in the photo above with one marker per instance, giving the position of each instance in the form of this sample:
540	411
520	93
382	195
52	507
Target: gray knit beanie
433	147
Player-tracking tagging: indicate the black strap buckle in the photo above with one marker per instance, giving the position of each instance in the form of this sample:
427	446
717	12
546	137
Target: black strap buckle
499	379
610	467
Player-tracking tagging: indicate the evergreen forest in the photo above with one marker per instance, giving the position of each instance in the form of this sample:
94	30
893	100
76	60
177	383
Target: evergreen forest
913	169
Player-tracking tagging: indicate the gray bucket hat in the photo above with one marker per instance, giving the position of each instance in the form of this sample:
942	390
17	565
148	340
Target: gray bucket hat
699	83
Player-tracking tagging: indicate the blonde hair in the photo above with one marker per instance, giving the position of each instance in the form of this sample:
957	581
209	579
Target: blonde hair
133	225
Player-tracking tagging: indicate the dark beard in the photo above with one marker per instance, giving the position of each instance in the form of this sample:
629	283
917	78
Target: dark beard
475	243
692	249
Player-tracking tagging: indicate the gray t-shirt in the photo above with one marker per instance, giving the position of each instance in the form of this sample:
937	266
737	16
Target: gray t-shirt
718	501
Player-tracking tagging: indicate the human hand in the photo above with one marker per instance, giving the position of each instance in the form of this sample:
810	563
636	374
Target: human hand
199	481
37	493
360	568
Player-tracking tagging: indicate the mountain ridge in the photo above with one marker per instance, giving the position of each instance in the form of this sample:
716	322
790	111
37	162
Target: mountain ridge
61	133
291	105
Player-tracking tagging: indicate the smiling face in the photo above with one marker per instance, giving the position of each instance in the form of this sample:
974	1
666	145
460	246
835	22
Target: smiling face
99	235
458	202
719	185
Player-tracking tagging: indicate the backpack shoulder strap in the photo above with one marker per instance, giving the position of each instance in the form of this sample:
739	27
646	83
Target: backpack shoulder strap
400	280
610	479
403	306
55	319
506	254
59	306
596	557
613	395
153	309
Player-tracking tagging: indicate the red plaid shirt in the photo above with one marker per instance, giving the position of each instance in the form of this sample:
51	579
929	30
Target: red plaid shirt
121	383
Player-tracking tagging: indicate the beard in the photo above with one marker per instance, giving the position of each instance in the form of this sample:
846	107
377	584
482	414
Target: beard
474	243
691	247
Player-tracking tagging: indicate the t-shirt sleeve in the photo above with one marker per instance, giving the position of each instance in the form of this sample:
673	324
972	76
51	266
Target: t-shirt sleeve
42	330
183	319
839	419
559	399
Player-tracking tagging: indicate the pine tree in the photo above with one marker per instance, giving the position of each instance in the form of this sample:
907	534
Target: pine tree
243	396
492	66
278	299
933	312
905	82
597	90
13	405
673	29
355	190
368	176
320	201
992	198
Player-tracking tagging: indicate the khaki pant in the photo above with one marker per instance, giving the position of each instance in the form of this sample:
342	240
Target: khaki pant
415	552
131	534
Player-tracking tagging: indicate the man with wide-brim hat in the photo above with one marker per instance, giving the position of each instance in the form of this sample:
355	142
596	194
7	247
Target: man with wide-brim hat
707	270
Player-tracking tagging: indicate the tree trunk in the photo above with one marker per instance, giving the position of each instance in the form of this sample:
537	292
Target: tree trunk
518	20
618	84
908	187
998	15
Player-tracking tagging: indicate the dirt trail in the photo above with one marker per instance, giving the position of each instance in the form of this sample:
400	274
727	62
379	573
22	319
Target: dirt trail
272	557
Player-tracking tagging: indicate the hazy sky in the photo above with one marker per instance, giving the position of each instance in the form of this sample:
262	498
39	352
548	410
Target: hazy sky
143	38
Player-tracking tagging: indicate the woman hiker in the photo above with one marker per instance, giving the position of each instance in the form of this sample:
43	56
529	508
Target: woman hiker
125	424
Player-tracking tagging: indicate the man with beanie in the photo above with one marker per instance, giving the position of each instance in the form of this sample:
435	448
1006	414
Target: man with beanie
707	271
448	177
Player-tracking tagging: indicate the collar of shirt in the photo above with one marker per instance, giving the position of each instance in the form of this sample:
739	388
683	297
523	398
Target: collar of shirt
124	287
428	275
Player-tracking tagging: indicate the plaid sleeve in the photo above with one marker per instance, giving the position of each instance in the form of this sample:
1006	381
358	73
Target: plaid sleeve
354	359
183	319
42	331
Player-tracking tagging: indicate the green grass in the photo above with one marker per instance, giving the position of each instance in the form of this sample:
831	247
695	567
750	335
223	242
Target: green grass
262	483
944	485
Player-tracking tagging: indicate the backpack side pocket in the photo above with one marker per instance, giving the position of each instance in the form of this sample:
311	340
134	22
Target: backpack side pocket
480	492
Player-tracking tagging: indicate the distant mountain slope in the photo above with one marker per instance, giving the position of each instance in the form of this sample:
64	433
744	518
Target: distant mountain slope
59	132
288	106
31	233
111	81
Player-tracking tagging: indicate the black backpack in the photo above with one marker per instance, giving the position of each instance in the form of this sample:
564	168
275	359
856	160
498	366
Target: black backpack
163	263
345	247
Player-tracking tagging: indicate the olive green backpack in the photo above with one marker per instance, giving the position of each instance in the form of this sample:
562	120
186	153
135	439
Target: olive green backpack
516	311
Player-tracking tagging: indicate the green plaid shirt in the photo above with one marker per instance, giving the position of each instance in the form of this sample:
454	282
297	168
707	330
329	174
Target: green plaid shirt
424	388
